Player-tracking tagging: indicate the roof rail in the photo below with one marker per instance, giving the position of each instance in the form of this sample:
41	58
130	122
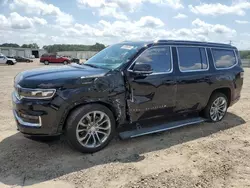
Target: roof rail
193	42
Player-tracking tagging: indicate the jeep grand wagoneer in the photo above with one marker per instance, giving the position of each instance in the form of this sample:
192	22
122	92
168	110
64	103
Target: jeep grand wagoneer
124	84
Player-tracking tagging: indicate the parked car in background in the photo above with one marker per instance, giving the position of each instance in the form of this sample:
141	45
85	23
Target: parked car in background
22	59
7	60
124	86
75	60
52	58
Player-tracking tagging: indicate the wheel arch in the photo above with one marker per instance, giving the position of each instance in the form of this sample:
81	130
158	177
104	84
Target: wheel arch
9	62
72	108
226	91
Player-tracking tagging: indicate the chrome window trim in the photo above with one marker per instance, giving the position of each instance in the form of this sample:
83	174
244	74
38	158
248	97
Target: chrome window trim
28	124
19	97
156	73
237	61
199	70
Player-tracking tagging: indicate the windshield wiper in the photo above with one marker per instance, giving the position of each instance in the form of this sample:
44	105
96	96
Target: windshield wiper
95	66
90	65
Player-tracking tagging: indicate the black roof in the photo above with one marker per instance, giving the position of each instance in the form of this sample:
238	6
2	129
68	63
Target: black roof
181	42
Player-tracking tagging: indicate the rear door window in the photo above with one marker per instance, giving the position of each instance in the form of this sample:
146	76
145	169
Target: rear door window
192	59
224	58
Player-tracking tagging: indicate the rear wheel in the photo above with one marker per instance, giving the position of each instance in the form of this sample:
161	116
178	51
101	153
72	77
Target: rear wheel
65	62
90	128
217	107
46	63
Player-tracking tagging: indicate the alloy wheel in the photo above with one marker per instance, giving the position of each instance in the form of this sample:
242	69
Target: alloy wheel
218	109
93	129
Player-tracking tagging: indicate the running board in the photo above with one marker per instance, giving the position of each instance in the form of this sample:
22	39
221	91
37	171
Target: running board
160	128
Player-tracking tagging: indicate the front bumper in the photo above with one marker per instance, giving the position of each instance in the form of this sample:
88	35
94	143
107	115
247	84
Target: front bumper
45	120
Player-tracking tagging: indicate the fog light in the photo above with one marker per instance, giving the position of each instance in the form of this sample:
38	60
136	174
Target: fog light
29	117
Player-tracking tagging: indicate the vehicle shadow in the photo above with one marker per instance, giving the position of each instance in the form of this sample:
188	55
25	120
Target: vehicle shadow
27	162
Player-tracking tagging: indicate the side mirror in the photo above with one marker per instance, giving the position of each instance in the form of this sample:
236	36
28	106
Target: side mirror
142	68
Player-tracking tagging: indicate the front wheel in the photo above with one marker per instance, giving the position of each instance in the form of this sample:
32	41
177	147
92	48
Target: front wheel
10	63
90	128
217	107
46	63
65	62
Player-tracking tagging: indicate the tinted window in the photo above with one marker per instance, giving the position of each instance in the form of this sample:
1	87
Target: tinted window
114	56
224	58
158	57
191	58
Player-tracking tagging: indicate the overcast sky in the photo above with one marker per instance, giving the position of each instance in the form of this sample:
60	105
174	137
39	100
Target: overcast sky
111	21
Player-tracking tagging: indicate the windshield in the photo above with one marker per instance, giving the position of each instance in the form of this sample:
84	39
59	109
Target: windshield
114	56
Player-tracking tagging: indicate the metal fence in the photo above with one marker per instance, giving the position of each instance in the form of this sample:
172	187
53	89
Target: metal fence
245	62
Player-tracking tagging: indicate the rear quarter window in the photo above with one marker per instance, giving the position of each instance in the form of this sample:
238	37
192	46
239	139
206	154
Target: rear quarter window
224	58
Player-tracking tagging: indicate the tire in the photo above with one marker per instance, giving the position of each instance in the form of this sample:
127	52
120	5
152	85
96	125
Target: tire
9	62
65	62
221	111
46	63
82	114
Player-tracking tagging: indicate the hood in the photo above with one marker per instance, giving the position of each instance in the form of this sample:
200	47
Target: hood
57	76
12	59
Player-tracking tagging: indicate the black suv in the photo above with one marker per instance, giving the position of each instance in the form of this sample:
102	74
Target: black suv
125	84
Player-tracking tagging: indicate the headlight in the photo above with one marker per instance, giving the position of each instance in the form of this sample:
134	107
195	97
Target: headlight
34	93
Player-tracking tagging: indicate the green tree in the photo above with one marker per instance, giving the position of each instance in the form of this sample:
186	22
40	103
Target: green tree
73	47
34	45
24	46
13	45
245	54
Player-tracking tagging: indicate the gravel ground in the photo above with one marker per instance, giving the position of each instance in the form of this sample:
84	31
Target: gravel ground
202	156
